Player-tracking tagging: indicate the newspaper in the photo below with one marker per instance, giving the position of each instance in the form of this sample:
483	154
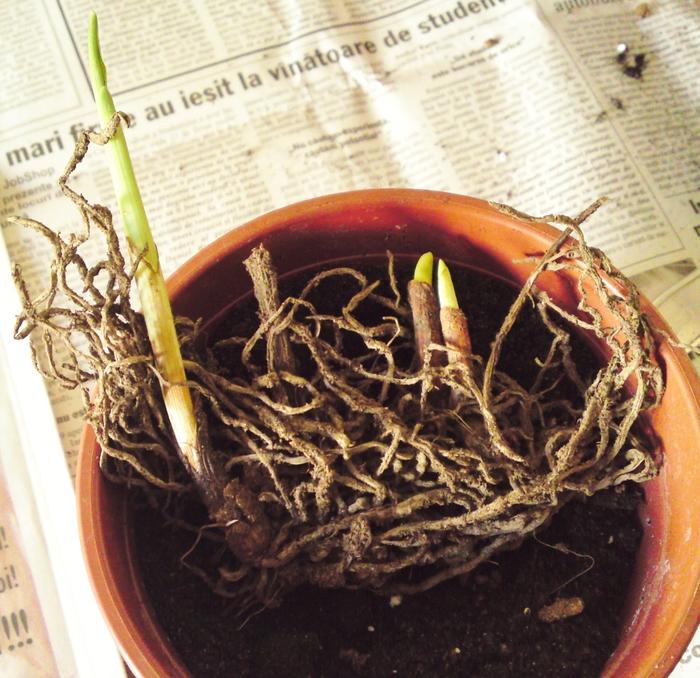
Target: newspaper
240	108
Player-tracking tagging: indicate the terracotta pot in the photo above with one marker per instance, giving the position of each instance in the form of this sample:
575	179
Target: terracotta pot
663	605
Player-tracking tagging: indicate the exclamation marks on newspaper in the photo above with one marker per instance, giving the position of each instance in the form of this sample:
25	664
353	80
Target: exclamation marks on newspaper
16	628
8	579
3	539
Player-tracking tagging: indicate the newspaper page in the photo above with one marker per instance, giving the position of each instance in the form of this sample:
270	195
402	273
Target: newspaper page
240	108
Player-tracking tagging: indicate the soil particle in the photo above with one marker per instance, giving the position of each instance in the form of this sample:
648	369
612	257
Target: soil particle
561	608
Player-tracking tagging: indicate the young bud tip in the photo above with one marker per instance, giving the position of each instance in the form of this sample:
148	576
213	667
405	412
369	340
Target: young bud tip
424	269
445	288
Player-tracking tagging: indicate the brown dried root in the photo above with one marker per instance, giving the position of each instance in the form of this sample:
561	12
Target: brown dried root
356	476
90	336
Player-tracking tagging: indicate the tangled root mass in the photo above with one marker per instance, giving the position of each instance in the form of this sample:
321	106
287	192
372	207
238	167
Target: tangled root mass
351	461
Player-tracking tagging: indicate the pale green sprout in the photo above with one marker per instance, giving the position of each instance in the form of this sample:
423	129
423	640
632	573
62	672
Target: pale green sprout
150	282
424	269
445	288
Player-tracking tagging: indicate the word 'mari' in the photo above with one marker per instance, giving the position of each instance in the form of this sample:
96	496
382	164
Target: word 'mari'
35	150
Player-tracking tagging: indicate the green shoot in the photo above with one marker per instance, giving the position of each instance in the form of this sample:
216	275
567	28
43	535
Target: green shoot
424	269
425	310
453	322
150	283
445	288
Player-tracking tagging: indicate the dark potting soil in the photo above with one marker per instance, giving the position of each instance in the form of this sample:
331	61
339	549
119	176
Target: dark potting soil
483	624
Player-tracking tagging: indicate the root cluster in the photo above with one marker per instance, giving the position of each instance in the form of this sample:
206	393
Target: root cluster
353	462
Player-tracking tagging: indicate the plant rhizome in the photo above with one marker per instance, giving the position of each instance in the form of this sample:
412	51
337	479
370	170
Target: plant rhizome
358	442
